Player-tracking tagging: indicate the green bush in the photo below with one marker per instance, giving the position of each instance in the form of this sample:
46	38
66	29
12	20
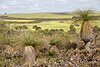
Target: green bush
54	41
25	27
50	53
36	27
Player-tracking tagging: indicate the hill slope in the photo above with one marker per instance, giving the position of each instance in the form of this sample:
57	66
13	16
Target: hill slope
40	15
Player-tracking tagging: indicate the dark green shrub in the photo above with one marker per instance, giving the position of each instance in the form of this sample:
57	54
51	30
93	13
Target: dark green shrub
25	27
61	30
38	28
35	26
50	53
72	28
54	30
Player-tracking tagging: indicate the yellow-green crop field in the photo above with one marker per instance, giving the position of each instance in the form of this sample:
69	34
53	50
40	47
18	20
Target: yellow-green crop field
53	25
20	20
46	25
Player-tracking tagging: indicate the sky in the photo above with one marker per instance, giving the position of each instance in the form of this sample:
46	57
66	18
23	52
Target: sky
27	6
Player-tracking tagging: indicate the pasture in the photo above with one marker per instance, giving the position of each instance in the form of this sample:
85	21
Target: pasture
41	15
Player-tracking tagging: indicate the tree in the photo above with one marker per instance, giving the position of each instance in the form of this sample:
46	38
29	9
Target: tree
86	32
36	27
5	13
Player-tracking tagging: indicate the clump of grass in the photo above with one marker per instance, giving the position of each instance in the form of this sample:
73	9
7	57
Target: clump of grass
54	41
28	40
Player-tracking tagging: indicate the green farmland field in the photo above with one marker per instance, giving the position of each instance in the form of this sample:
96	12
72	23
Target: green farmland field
41	15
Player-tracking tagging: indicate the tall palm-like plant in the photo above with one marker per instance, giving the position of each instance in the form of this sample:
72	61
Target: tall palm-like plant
86	32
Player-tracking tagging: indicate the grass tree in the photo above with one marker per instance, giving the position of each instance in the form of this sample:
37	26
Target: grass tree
86	32
29	52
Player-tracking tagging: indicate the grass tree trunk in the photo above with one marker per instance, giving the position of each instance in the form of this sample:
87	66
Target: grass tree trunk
86	34
29	56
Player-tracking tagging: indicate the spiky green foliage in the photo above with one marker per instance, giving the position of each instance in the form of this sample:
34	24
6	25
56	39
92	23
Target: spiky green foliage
29	40
85	15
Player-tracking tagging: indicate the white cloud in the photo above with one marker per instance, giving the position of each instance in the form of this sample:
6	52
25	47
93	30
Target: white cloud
14	1
4	7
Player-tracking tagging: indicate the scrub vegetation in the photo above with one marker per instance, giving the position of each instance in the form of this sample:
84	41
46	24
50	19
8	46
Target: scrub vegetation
51	43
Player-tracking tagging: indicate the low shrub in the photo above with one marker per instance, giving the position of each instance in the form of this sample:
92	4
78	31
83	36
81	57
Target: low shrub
54	41
51	53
